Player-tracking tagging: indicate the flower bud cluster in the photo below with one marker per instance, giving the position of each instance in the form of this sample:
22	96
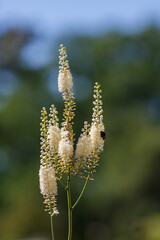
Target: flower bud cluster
47	173
45	156
53	116
63	62
97	116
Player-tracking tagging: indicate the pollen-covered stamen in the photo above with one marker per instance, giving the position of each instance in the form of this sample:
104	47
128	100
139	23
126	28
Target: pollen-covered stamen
83	148
47	178
97	141
48	187
54	136
65	149
65	81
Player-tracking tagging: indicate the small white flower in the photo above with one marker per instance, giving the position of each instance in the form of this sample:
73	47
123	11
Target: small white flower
65	149
64	134
65	81
55	212
54	136
101	126
96	139
84	147
47	178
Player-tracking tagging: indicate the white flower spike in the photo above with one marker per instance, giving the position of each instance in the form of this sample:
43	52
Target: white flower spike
65	76
47	178
54	136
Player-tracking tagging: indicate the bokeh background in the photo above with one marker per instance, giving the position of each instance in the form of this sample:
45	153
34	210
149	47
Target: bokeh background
116	43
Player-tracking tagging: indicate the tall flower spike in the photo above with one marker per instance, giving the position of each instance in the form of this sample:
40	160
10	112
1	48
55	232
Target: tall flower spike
64	77
48	187
97	127
65	86
54	137
45	158
96	133
47	176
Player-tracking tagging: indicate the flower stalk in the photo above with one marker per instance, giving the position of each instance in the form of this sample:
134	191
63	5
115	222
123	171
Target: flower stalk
52	231
69	208
84	187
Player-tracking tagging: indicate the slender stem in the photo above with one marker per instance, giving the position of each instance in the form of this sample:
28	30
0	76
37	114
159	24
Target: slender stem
69	208
51	218
81	193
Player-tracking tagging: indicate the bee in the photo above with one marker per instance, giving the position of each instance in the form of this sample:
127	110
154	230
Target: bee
103	135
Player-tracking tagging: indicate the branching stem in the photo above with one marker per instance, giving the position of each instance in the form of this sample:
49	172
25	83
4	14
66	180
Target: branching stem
81	193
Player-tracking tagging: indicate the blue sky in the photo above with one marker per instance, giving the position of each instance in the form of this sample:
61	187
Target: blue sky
54	17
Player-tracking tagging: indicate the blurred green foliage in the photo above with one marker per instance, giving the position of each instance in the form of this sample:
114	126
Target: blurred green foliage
123	203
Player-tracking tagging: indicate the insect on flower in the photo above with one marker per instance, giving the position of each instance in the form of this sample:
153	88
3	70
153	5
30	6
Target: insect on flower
103	135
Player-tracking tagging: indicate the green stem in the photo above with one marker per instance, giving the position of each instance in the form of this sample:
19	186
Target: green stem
69	208
81	193
51	218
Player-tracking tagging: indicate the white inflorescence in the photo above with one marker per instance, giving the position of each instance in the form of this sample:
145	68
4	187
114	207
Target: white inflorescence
64	134
57	151
65	81
65	76
97	126
54	136
84	147
65	149
96	139
47	178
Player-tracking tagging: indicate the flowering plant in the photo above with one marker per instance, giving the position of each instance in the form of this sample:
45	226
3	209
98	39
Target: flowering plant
58	158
